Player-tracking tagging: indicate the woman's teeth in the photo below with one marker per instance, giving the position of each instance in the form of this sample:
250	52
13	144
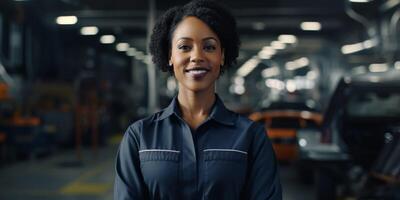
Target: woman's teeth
197	71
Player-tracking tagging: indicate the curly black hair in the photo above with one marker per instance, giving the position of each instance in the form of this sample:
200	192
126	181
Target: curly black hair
219	19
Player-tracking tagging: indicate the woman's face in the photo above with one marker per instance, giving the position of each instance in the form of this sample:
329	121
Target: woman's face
196	55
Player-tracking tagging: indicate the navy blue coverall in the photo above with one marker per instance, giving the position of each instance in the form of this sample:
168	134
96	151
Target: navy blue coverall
227	157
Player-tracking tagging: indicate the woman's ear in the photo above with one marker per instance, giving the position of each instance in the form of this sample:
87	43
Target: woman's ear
170	59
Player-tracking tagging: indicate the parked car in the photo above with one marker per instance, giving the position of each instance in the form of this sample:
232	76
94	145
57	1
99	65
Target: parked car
359	155
283	123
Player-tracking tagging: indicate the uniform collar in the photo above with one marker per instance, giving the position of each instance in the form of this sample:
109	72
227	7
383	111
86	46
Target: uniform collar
219	112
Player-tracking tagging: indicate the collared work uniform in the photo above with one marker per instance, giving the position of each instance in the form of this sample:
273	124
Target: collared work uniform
227	157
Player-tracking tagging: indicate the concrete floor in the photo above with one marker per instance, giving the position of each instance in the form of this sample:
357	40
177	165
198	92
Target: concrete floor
61	177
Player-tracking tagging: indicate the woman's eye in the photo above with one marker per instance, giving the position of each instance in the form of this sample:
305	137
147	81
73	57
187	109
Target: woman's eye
209	47
184	47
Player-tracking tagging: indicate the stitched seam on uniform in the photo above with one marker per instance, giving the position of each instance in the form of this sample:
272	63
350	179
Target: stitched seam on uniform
231	150
158	150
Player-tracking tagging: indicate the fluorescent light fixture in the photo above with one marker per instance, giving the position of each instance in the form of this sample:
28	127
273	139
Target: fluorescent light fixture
238	80
296	64
356	47
266	53
237	89
278	45
131	51
310	26
107	39
66	20
286	38
360	1
268	50
378	67
122	46
263	55
352	48
269	72
312	75
370	43
275	84
397	65
248	66
389	4
359	70
89	30
291	85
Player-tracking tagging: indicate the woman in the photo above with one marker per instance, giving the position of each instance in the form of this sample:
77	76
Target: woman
196	148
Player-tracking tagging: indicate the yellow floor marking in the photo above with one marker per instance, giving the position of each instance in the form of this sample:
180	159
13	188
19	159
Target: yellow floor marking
116	139
82	186
86	188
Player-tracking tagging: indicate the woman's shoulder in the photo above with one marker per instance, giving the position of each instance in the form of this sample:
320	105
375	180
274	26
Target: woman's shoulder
244	120
146	120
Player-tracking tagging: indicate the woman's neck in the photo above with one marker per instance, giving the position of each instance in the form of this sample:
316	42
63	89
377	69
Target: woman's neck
195	106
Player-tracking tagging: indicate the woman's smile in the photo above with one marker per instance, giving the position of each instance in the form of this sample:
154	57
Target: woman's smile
197	73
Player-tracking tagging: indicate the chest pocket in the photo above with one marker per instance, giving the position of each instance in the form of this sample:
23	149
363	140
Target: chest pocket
160	171
225	173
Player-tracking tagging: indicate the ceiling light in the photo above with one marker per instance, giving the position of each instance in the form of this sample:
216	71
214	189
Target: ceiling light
268	50
248	66
360	1
278	45
291	85
356	47
238	80
131	52
285	38
352	48
122	46
107	39
66	20
378	67
89	30
275	84
296	64
310	26
397	65
269	72
312	75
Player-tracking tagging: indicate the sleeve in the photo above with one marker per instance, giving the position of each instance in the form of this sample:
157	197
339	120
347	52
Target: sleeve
263	177
129	184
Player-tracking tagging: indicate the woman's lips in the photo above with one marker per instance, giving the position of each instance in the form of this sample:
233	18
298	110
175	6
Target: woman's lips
197	73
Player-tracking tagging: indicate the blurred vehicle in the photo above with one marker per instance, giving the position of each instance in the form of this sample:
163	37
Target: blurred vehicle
359	153
283	121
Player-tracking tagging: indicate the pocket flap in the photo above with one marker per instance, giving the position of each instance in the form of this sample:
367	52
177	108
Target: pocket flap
224	154
158	155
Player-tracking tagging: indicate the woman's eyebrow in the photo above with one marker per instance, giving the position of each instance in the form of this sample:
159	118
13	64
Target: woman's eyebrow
184	38
188	38
210	38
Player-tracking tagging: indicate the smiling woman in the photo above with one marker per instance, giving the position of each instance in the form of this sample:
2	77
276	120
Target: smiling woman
196	56
196	148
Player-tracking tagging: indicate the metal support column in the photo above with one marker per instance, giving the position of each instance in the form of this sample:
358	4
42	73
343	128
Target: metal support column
151	70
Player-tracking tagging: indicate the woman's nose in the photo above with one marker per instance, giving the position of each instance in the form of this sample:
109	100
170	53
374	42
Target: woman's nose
197	55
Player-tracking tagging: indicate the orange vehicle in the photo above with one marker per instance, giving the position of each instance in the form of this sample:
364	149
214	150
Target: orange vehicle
282	127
